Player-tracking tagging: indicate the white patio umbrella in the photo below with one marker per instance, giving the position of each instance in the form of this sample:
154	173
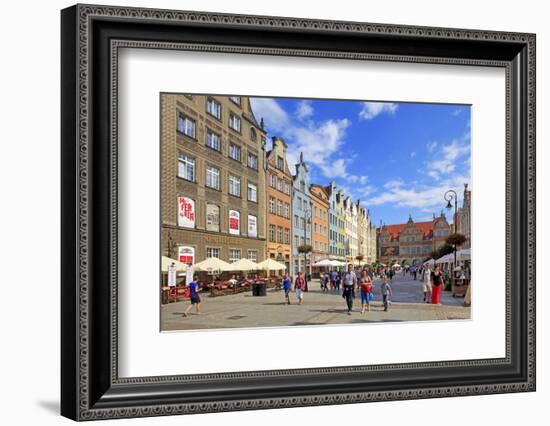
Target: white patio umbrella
166	262
337	263
324	262
244	265
212	264
445	259
463	254
396	265
271	265
430	262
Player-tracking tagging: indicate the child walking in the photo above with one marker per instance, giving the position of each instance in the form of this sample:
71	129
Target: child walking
386	293
366	292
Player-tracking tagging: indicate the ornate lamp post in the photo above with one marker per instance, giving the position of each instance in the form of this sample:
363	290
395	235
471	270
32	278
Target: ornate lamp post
449	196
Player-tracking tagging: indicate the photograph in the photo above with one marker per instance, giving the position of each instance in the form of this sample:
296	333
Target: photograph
284	212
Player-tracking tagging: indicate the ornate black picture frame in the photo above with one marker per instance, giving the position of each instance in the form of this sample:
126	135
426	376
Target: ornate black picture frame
91	37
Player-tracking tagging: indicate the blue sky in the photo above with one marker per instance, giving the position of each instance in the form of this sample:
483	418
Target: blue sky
397	158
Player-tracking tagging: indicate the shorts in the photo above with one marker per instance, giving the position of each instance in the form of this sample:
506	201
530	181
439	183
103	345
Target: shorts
299	294
195	299
365	299
287	290
426	287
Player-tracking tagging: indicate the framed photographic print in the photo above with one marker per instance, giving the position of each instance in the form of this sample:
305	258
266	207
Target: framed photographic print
263	212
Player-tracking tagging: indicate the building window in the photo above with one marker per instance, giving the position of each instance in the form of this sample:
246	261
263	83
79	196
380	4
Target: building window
315	227
287	210
213	140
253	135
212	217
253	161
287	188
252	193
213	252
271	205
186	126
235	122
253	255
279	234
186	167
272	233
235	152
234	185
296	221
234	255
296	240
280	184
299	202
287	236
279	207
212	177
280	163
235	100
214	108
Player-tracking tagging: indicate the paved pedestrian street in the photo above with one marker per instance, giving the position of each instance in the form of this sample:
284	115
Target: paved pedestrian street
318	308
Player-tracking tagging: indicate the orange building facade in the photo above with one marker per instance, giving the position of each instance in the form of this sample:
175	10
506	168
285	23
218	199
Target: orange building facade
320	223
279	204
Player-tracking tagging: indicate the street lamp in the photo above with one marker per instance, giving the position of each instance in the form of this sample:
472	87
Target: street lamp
449	196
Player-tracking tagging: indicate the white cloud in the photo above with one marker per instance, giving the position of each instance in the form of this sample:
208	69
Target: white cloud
456	112
447	158
431	146
424	197
358	179
370	110
394	183
413	154
304	109
275	117
320	144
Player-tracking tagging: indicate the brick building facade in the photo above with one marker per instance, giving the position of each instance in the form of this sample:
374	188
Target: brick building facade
213	196
410	243
279	204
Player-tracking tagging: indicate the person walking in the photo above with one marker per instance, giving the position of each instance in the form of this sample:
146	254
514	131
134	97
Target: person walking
437	285
366	292
427	284
349	281
386	293
333	277
286	288
337	282
299	287
194	297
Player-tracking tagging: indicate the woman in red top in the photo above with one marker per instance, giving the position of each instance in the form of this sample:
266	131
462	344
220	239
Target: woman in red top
366	291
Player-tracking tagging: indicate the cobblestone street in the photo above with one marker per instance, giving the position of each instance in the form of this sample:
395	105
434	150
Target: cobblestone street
318	308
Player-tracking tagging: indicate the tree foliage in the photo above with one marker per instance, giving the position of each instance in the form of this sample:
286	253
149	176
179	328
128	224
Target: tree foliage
456	239
304	248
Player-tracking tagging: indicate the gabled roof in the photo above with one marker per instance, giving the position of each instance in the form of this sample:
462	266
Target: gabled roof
425	227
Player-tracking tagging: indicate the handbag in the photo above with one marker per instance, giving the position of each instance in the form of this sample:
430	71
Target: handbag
188	292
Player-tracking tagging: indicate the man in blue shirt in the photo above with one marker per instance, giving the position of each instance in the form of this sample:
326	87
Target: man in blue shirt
286	288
